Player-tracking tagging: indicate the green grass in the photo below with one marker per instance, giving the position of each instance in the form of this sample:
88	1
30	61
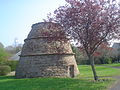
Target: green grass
102	71
9	83
114	65
79	83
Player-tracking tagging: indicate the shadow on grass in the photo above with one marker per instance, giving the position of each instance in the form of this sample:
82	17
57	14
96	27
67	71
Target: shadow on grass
7	77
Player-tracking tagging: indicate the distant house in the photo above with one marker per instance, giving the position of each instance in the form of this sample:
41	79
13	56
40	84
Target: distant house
16	56
116	47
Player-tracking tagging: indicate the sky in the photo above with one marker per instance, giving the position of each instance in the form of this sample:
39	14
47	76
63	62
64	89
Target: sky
17	17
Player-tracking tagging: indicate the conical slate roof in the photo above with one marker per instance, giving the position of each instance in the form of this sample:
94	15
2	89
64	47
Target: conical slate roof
43	58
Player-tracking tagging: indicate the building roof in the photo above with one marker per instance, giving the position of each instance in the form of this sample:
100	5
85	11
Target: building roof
16	56
116	45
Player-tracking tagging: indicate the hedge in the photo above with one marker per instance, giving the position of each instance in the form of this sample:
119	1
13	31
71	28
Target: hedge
4	70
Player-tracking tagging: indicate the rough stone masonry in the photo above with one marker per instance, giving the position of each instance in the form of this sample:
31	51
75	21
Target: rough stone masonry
40	58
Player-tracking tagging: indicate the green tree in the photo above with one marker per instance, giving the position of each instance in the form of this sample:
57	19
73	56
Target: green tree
3	54
89	23
1	45
13	49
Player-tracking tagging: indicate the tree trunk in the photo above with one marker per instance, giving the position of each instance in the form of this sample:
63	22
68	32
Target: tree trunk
93	67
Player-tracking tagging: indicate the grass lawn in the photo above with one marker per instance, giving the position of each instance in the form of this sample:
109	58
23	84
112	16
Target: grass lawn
114	65
82	82
102	71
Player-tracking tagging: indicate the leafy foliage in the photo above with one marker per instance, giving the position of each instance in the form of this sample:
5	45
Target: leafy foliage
89	22
13	49
3	55
12	64
80	56
4	70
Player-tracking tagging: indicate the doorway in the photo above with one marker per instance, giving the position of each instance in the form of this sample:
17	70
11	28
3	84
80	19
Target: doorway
71	71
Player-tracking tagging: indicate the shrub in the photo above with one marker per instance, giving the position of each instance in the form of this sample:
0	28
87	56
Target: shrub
12	64
85	62
4	70
109	60
106	60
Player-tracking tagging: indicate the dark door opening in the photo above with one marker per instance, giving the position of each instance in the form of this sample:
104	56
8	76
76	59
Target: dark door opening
71	70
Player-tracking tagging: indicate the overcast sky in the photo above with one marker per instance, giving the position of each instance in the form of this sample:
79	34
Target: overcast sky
17	16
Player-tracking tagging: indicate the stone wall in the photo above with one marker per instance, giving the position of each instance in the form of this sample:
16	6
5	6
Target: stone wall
46	66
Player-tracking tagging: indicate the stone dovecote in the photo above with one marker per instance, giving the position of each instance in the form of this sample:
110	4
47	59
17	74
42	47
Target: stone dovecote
40	58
